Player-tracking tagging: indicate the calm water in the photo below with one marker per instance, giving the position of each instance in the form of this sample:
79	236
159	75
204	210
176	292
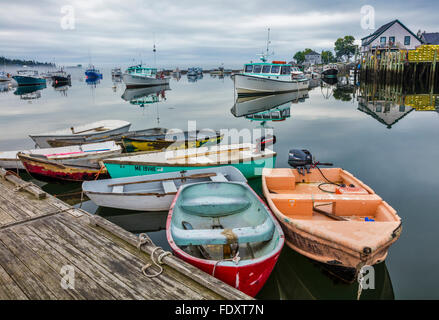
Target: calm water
390	146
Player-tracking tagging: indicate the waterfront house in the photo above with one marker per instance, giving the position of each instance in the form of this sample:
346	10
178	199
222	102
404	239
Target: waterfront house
313	58
392	36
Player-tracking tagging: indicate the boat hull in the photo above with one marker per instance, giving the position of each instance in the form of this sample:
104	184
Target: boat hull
133	81
245	84
250	169
45	170
93	75
330	72
28	81
43	140
135	145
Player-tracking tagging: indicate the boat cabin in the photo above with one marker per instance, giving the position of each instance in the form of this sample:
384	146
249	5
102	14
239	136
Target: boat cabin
139	70
28	73
263	69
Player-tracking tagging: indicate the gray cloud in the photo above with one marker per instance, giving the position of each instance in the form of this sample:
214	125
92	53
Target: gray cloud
190	32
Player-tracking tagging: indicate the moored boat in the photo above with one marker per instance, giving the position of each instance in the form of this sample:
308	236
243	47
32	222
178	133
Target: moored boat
92	73
247	157
10	160
330	216
116	137
139	76
4	77
168	141
226	230
98	129
42	169
28	78
152	192
330	70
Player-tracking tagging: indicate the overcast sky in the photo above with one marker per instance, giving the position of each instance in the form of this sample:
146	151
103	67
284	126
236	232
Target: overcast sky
204	33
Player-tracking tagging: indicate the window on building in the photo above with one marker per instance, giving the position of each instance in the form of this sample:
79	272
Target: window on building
391	40
383	41
257	69
266	69
407	40
275	69
248	68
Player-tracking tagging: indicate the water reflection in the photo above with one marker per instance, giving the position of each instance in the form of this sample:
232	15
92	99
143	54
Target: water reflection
30	92
194	78
297	277
251	105
145	96
92	82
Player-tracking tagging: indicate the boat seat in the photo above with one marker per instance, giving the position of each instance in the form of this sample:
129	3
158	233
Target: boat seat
219	178
260	233
169	186
213	206
117	189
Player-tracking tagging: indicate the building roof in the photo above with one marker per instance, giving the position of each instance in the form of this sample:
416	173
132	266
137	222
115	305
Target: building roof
431	38
383	28
312	53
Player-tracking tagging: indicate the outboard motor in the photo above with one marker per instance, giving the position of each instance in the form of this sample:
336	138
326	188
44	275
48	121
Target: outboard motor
265	141
300	160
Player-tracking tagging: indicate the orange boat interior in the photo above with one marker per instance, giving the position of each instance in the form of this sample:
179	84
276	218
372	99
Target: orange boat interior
312	197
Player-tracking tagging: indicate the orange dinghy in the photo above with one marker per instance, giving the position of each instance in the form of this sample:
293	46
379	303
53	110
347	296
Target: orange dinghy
330	216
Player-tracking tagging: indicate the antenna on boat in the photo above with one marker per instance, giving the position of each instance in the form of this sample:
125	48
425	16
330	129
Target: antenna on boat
265	55
154	50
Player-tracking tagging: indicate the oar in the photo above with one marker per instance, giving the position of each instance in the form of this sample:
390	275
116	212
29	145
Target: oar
208	153
97	128
194	176
330	215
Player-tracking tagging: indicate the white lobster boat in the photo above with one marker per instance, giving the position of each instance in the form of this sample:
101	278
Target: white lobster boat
138	76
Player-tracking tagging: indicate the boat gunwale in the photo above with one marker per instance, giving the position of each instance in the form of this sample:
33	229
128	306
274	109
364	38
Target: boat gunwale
276	80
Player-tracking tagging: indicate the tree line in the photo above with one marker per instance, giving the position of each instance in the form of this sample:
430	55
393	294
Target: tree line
344	49
4	60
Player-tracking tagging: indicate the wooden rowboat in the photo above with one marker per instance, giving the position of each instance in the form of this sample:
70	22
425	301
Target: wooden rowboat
169	141
246	157
69	167
342	227
226	230
117	137
152	192
10	160
95	130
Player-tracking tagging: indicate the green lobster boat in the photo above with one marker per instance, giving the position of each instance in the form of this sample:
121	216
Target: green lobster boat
246	157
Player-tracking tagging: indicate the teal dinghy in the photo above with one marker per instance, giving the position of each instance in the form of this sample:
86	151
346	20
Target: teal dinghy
247	157
226	230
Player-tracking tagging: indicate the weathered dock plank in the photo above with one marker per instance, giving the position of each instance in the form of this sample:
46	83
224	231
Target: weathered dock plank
41	235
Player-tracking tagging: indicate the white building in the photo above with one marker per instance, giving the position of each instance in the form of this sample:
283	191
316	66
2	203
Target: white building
393	35
313	58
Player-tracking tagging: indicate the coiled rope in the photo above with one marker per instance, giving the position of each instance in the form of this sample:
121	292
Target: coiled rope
143	239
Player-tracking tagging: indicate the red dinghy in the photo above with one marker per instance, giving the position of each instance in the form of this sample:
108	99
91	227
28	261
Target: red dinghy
226	230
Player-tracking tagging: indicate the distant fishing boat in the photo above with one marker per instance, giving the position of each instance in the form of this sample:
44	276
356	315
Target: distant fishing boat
226	230
61	78
152	192
98	129
182	140
264	77
92	73
138	76
330	216
10	160
247	157
116	72
116	137
28	78
330	70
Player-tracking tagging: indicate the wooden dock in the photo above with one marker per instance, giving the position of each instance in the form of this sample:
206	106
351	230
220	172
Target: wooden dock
51	250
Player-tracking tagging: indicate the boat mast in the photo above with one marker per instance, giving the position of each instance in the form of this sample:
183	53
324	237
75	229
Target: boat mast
265	55
154	50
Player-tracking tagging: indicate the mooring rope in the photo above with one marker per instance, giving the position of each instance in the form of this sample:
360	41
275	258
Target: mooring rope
143	239
235	259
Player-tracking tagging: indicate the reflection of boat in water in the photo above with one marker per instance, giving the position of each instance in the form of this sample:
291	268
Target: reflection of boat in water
92	81
30	92
253	104
146	95
194	78
297	277
330	80
280	113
